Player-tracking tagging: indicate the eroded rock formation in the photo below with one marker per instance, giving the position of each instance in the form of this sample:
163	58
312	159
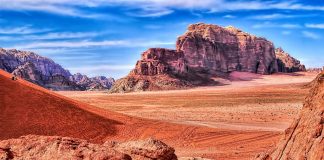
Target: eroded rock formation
55	147
304	139
202	53
211	47
45	72
286	63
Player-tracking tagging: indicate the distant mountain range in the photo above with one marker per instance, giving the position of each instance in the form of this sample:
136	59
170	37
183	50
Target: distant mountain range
45	72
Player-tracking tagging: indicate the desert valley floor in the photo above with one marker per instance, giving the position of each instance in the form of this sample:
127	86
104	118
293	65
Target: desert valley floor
237	120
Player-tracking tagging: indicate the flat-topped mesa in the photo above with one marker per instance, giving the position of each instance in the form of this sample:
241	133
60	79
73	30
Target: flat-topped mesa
157	61
227	49
202	53
286	63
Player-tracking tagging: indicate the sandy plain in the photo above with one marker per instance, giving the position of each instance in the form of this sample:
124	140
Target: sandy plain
237	120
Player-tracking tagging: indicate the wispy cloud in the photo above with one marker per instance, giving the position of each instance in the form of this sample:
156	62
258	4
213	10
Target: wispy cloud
48	36
275	25
229	16
150	12
311	35
149	8
317	26
21	30
70	44
286	32
85	43
279	16
61	35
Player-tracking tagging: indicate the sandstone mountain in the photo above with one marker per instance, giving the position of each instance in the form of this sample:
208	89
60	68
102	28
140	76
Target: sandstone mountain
286	63
304	139
55	147
45	72
204	52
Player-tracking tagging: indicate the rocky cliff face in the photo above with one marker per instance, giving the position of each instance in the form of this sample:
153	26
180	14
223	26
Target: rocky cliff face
304	139
45	72
55	147
286	63
202	53
211	47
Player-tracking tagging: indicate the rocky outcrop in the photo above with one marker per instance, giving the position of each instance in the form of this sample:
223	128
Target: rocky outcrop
45	72
286	63
149	148
211	47
304	138
94	83
55	147
203	52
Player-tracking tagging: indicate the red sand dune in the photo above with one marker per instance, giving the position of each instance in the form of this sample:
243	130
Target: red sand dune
29	109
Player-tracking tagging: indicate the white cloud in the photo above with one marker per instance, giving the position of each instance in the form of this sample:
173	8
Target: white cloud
61	35
278	16
311	35
229	16
47	36
70	44
21	30
290	26
149	8
59	7
286	32
317	26
275	25
150	12
86	43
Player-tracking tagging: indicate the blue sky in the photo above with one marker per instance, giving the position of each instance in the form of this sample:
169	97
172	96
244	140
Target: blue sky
106	37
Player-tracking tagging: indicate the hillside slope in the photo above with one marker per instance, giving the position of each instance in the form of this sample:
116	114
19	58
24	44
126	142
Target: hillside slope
29	109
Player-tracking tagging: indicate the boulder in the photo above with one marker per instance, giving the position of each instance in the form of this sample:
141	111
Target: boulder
146	149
